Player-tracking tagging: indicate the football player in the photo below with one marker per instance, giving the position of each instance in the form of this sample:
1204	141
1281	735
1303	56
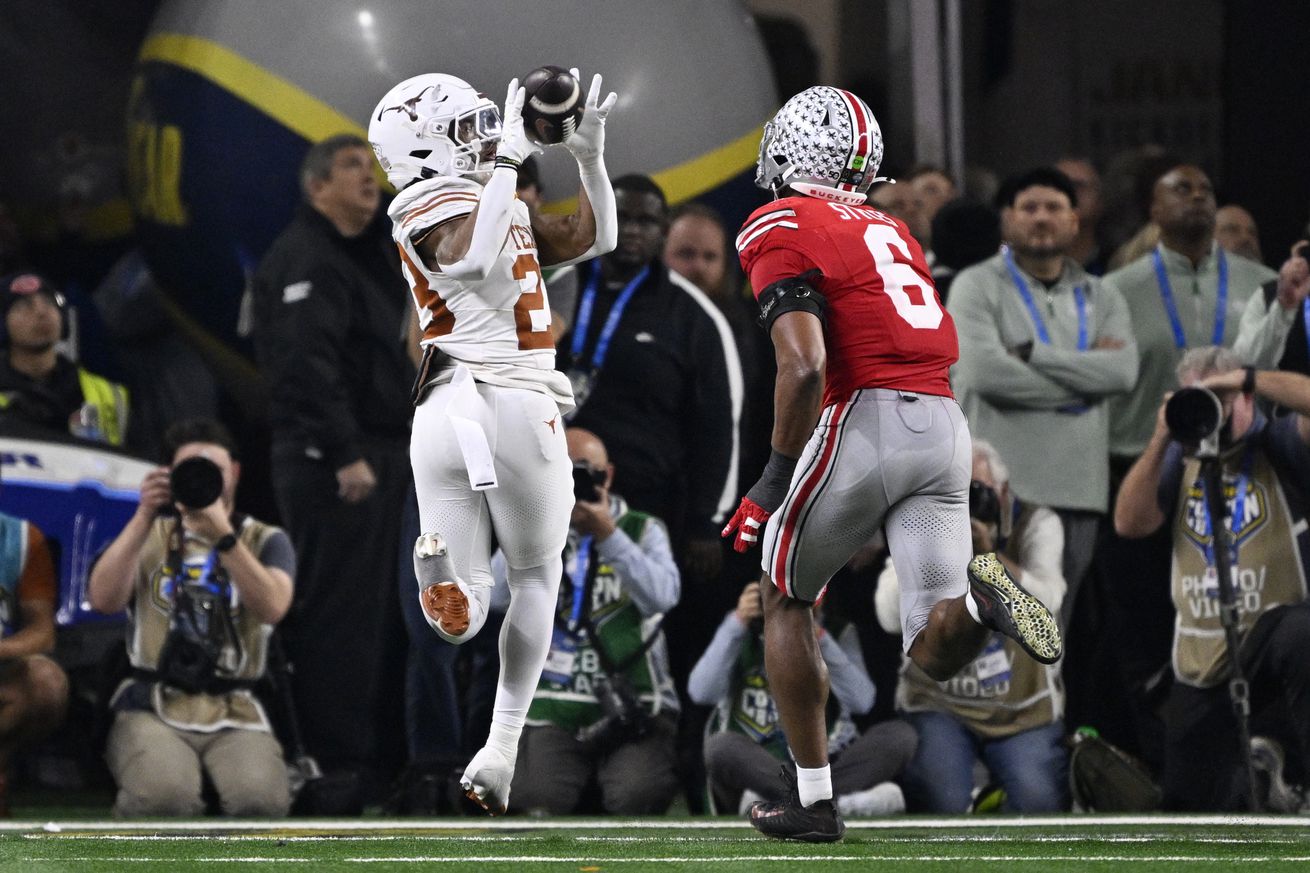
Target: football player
866	435
488	447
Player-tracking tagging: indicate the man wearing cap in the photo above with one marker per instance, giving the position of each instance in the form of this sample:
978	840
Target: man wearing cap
38	384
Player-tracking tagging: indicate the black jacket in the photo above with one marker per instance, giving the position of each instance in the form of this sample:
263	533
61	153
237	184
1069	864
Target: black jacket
329	337
664	404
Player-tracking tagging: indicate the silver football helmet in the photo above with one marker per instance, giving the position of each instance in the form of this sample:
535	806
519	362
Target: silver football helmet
434	125
825	143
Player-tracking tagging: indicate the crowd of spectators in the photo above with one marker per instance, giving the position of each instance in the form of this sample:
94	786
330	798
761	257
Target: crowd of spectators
655	688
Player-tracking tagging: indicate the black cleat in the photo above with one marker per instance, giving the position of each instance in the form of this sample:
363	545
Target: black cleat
820	822
1003	605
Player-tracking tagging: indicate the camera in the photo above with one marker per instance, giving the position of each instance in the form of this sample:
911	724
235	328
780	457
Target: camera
984	503
196	482
1194	416
193	647
587	482
622	718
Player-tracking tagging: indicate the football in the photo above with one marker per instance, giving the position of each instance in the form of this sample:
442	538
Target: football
553	105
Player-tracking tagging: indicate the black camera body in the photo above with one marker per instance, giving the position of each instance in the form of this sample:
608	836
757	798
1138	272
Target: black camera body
623	720
984	503
193	647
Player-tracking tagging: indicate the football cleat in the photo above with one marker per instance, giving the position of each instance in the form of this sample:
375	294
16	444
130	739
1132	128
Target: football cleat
786	819
486	780
1004	606
444	599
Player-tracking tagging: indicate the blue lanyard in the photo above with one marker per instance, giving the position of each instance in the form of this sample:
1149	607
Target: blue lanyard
611	323
1080	301
1239	508
581	564
1171	308
1305	319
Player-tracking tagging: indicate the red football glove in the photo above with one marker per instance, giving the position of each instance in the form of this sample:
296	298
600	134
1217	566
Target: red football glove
748	521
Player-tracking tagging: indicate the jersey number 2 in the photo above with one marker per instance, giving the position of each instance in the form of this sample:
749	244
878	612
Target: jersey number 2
897	276
531	315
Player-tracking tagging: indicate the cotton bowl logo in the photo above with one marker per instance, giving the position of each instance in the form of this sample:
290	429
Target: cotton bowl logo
1254	514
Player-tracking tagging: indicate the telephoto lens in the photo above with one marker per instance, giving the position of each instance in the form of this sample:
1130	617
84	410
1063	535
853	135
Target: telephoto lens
196	482
1193	415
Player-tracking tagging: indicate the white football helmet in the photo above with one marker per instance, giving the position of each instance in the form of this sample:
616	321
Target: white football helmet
824	142
434	125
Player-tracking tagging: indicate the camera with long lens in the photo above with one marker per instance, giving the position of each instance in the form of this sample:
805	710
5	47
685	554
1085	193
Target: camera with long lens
623	720
1195	416
587	482
984	502
193	647
196	482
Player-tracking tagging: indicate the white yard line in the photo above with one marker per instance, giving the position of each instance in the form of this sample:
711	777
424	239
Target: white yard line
743	859
310	827
1263	839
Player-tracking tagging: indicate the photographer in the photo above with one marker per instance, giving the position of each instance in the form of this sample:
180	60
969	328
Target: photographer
203	587
605	704
1003	709
1266	477
746	744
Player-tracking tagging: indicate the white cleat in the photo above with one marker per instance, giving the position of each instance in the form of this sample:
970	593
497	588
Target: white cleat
486	780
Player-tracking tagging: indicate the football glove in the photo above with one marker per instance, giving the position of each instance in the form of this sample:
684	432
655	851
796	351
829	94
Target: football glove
587	143
748	523
514	143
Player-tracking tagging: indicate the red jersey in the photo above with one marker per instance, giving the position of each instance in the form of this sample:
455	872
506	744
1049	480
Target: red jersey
886	326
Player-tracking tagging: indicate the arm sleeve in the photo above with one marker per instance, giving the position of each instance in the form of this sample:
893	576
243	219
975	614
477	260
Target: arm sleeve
850	682
37	580
305	372
1040	554
1171	479
1262	332
991	371
647	569
491	226
277	552
711	678
712	425
1095	372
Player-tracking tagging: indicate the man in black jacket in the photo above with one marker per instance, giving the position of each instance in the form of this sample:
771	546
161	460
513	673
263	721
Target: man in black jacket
330	314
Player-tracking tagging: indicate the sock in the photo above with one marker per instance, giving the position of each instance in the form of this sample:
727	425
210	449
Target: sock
524	642
972	605
814	785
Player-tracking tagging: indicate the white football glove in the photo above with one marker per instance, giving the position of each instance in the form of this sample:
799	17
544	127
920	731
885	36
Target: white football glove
587	143
514	143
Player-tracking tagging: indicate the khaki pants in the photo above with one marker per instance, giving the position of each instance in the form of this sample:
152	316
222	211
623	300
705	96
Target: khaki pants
158	769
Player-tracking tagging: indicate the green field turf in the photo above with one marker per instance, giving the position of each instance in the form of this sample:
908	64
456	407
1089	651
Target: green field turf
591	846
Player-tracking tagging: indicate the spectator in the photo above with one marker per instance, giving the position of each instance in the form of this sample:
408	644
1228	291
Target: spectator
33	688
330	309
1086	247
605	705
1277	335
1042	345
899	201
964	232
1268	465
656	376
38	384
1003	708
932	188
742	756
1236	233
203	589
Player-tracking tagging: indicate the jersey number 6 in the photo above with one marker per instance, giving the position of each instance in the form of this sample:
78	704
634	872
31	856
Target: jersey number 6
897	276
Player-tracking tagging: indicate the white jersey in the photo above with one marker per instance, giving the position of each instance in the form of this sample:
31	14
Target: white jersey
500	326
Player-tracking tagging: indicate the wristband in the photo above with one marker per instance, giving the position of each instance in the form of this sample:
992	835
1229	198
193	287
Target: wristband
226	543
502	161
1248	381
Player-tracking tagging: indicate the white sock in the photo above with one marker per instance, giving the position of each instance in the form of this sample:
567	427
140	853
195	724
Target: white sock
972	605
814	784
524	642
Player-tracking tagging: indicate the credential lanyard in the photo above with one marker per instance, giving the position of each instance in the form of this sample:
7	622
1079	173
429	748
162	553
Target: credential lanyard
1239	509
1080	302
611	323
581	566
1171	308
